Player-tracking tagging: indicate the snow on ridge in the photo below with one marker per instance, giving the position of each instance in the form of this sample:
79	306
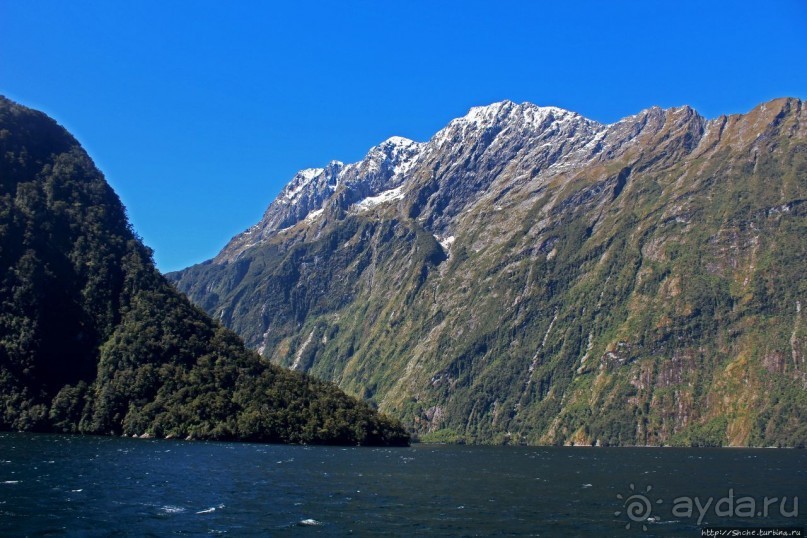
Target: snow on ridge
530	113
525	114
398	141
396	148
397	151
310	173
381	198
399	154
535	116
484	114
301	180
396	155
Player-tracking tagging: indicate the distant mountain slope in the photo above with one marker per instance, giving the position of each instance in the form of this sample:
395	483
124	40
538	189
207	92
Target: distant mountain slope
93	339
534	276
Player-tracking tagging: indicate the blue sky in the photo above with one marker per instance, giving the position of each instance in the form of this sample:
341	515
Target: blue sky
199	112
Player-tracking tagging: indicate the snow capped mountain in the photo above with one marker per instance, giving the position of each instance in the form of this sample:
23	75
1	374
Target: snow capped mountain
384	165
304	198
499	146
503	145
521	116
304	179
530	275
501	126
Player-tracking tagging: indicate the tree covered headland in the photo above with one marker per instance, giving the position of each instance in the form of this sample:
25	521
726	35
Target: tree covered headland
93	339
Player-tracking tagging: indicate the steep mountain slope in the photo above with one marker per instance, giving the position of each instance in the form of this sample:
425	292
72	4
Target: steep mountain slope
93	339
534	276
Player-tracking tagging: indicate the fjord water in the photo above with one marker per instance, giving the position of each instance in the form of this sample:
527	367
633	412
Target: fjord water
54	485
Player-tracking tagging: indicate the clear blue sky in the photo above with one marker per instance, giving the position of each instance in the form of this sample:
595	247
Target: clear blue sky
199	112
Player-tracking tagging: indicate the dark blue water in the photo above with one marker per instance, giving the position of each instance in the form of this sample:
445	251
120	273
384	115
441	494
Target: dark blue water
94	486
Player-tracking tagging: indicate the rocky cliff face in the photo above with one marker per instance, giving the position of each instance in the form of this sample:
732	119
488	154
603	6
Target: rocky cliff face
529	275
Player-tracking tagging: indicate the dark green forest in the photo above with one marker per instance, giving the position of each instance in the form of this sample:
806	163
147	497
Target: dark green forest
94	340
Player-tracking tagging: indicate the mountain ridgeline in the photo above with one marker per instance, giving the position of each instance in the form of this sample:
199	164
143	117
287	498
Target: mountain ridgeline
93	339
532	276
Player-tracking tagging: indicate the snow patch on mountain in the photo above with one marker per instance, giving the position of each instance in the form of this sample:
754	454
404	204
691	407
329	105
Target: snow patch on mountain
382	198
314	215
446	242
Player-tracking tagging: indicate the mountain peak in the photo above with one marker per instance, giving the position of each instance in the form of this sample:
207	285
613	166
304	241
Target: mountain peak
488	114
394	148
495	112
395	152
397	141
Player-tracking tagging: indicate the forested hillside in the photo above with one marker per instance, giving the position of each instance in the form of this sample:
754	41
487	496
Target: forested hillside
93	339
